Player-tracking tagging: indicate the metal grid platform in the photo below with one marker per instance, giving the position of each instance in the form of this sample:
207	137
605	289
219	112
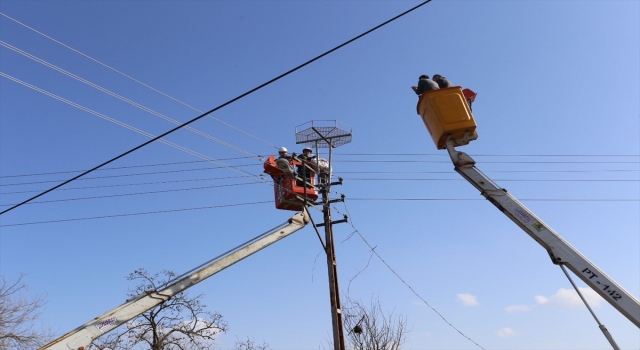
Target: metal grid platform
323	133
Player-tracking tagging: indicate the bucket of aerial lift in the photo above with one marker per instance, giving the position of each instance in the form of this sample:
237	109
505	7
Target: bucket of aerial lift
289	190
446	113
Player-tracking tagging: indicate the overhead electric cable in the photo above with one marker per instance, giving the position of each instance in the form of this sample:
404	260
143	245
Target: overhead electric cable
119	123
135	214
483	199
124	99
218	107
137	174
342	172
135	194
374	251
506	162
135	80
488	155
512	180
129	184
120	167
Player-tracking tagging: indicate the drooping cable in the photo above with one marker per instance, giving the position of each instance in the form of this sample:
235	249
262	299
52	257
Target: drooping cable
135	194
135	174
120	167
126	100
119	123
136	214
135	80
374	251
218	107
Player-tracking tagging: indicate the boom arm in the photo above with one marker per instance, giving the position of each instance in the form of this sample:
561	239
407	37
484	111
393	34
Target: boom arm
81	337
560	251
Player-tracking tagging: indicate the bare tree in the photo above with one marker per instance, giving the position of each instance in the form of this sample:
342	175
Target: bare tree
18	315
177	324
250	345
370	328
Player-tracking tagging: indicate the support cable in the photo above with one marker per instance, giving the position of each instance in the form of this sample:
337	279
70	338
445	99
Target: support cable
401	279
135	80
600	325
217	108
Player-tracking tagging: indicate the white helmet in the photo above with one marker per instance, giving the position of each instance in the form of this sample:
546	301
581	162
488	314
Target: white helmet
282	149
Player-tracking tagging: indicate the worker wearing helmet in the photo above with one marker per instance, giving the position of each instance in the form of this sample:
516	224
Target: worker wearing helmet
283	153
283	162
304	170
425	84
441	81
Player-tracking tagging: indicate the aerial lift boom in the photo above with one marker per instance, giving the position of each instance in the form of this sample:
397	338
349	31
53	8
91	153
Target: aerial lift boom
81	337
447	115
560	251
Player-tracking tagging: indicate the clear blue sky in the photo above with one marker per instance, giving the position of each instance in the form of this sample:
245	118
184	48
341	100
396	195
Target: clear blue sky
557	80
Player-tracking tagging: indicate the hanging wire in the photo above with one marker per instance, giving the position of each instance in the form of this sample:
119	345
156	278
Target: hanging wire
135	104
374	251
135	80
159	137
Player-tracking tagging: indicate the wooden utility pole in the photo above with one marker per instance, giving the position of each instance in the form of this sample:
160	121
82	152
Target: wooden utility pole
332	267
328	134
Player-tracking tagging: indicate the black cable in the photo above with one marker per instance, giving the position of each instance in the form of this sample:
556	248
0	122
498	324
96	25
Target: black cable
129	184
482	199
136	194
488	155
135	214
217	108
139	174
347	154
511	180
122	167
449	162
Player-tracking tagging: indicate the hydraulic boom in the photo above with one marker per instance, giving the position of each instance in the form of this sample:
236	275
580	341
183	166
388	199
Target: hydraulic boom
560	251
81	337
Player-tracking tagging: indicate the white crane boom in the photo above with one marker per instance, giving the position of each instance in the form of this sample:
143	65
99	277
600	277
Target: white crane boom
560	251
81	337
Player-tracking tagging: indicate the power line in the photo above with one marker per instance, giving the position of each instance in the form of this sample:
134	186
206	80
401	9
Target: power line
513	180
119	123
449	162
342	172
130	184
217	108
135	80
489	155
482	199
135	104
135	214
122	167
138	174
136	193
373	250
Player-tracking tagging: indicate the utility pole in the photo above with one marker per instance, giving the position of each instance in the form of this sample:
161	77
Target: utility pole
320	135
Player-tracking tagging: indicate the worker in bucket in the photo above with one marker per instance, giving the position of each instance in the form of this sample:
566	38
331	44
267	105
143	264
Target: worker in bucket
283	162
441	81
425	84
305	169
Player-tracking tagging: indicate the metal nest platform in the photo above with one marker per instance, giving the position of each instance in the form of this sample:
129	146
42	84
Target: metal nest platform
323	133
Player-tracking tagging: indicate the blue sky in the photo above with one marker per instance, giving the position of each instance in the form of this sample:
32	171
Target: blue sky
558	118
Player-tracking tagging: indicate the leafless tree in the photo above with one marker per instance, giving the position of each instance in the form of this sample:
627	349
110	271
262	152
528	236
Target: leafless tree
18	315
250	345
179	323
370	328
